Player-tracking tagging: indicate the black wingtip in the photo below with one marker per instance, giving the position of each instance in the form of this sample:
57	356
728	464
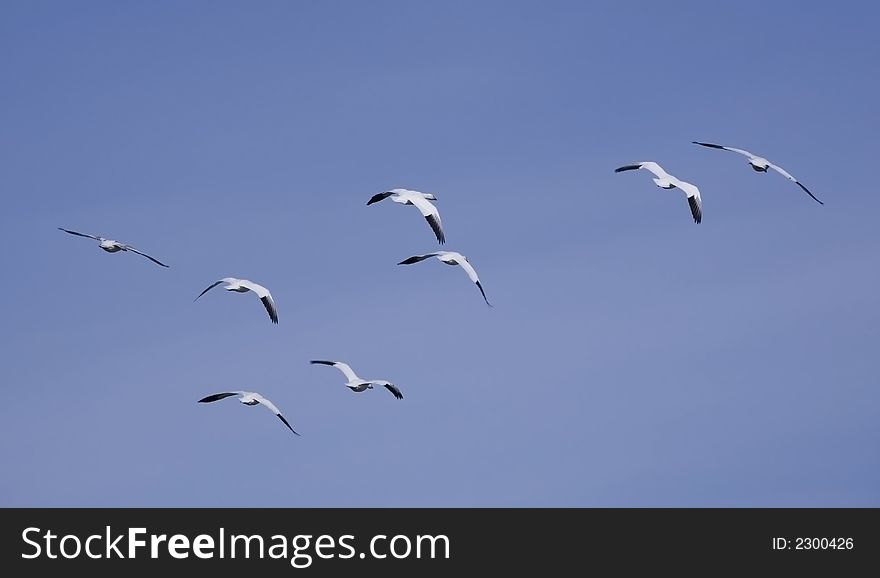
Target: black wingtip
437	228
480	286
806	190
270	309
696	211
321	362
706	144
627	168
394	391
216	397
378	197
281	417
208	288
410	260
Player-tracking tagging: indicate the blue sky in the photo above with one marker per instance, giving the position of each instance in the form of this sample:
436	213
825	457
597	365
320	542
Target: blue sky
632	358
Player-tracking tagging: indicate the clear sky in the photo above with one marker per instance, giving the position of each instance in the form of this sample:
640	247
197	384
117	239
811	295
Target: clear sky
633	358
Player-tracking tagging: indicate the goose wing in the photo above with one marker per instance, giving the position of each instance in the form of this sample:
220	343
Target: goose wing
731	149
264	296
785	174
271	407
79	234
393	389
343	367
650	166
431	214
208	288
694	200
133	250
417	258
472	275
379	197
219	396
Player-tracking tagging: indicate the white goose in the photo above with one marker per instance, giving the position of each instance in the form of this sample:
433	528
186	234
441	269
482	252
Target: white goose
451	258
357	384
421	201
112	246
761	165
243	286
249	398
666	181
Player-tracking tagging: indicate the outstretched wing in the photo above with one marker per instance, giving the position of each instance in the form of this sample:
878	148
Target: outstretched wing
379	197
731	149
133	250
208	288
472	275
264	296
648	166
393	389
271	406
389	386
269	304
80	234
431	214
218	396
785	174
343	367
694	200
417	258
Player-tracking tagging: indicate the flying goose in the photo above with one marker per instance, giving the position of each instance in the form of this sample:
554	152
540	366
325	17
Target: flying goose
357	384
112	246
666	181
451	258
243	286
421	201
761	165
249	398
